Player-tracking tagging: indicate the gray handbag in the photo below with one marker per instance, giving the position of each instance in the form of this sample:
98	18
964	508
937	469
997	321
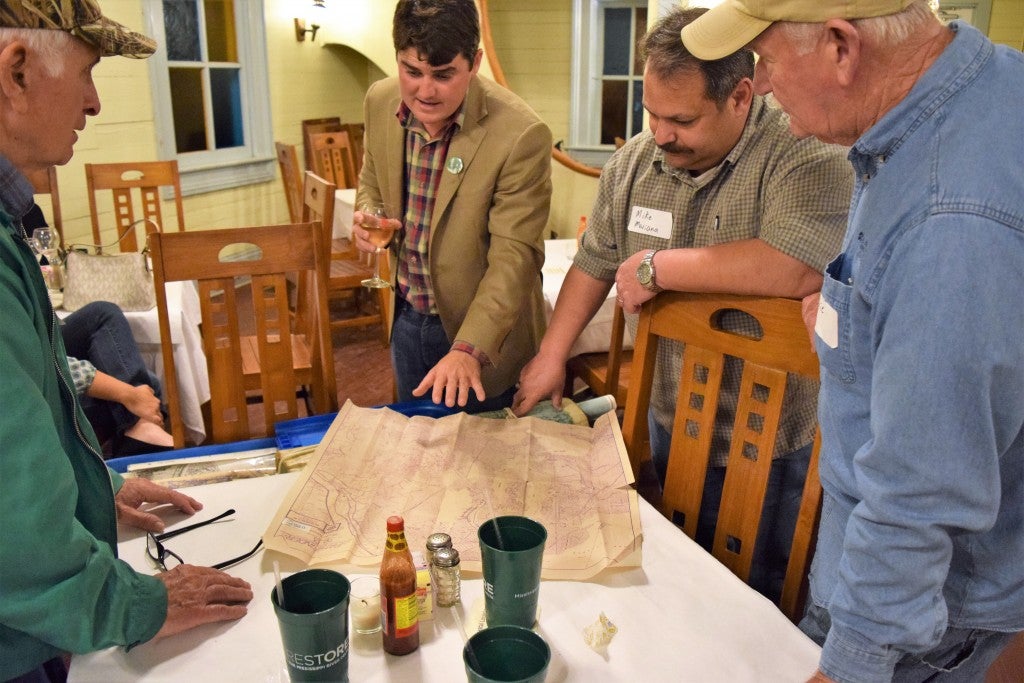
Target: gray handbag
124	279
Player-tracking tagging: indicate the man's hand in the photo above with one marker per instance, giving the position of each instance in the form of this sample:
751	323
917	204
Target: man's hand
360	235
201	595
541	378
135	492
809	311
631	294
142	402
819	677
452	379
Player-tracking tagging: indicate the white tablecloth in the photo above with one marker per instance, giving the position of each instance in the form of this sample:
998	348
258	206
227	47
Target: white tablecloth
681	616
344	205
189	359
596	336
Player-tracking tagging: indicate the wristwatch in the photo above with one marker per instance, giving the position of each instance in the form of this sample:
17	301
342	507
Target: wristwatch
645	274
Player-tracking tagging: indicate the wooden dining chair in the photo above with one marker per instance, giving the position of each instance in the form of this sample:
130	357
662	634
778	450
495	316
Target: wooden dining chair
356	131
45	182
604	373
284	352
333	158
142	179
782	348
348	268
326	124
291	179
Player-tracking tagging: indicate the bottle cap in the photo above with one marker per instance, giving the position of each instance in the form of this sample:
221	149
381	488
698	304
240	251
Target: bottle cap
438	540
396	523
446	557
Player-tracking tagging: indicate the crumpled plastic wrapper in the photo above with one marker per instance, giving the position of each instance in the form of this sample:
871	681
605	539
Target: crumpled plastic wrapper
599	634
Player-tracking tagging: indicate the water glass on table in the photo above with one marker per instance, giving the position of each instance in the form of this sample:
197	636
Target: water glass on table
312	613
512	552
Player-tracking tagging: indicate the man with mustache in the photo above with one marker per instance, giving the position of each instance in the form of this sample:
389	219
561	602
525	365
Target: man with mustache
718	196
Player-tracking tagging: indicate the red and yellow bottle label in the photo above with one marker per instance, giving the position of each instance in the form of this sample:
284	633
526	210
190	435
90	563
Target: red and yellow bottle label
407	612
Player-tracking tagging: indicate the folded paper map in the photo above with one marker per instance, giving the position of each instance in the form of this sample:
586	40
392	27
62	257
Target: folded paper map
451	474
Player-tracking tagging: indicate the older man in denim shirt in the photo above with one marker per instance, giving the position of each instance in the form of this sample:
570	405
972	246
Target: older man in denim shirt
919	573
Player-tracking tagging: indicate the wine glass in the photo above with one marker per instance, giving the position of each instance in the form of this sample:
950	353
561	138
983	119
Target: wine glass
43	239
379	232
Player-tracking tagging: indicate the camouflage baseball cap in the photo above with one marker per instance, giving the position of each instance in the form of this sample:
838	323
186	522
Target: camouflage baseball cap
81	18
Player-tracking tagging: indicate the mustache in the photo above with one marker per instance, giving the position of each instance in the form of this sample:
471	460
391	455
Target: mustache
672	148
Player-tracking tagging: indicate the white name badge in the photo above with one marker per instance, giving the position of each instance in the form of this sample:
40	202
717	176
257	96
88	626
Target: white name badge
651	222
827	324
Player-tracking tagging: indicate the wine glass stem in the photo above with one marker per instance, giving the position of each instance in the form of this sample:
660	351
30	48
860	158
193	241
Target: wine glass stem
376	264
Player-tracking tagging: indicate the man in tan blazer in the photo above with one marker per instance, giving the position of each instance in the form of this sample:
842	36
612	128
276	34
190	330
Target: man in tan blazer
464	165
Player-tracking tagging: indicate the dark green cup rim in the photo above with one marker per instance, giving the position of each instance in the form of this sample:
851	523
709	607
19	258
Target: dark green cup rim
484	532
319	575
506	632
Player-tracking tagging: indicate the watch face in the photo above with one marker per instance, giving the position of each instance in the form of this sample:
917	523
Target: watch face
643	273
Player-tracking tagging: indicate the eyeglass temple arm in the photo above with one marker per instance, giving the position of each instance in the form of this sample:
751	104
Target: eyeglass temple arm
190	527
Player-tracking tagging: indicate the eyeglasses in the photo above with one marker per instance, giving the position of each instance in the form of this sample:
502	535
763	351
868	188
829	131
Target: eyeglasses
162	555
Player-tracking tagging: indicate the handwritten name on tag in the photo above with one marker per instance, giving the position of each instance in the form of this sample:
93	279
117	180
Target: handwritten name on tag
651	222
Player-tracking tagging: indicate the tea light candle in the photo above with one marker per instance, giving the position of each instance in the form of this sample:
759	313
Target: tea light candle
364	604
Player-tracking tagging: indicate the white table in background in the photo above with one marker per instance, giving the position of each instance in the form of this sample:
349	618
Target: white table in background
189	358
344	205
682	616
596	336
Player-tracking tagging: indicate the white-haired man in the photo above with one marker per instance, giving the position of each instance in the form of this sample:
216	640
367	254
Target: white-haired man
62	588
919	568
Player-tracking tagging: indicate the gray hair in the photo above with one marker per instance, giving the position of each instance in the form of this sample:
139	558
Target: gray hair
886	30
50	45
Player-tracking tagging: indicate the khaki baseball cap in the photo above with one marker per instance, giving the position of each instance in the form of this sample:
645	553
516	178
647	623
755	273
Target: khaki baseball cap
81	18
730	26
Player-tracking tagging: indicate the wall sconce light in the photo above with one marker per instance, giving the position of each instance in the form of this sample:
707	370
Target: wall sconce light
300	24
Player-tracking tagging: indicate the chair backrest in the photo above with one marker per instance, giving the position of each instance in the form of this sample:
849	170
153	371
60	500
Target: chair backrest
291	178
333	158
144	178
327	124
356	131
45	182
282	342
782	348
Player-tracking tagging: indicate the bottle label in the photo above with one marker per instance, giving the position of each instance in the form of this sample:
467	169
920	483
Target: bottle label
407	612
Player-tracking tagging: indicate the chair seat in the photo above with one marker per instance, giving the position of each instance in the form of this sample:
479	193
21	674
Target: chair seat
302	362
592	368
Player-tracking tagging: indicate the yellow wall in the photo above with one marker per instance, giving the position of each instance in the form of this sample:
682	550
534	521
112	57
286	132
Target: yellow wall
1006	24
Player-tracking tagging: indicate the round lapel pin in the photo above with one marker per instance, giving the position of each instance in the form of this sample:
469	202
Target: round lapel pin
454	165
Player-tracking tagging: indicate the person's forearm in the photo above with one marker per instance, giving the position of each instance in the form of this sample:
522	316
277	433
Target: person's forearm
749	266
578	300
109	388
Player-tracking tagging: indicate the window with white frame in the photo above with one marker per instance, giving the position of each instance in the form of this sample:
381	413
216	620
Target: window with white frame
210	91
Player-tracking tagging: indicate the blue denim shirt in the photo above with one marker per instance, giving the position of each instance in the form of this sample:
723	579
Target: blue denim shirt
922	399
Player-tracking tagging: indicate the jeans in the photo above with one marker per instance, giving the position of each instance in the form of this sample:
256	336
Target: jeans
418	343
963	654
99	333
778	515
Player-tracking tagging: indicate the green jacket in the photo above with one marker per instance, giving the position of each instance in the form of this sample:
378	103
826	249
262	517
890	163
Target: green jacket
62	588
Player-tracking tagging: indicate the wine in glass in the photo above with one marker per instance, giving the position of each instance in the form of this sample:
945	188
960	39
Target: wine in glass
380	232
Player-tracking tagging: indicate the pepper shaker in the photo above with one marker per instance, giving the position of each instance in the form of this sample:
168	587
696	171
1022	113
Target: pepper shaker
446	576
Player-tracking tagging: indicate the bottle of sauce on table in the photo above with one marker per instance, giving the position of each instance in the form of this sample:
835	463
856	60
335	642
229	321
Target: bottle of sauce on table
399	605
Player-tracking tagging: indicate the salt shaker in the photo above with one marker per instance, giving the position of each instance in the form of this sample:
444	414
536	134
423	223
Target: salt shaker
435	542
446	576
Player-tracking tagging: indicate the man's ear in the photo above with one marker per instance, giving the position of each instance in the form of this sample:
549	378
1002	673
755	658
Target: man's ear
843	49
741	96
13	60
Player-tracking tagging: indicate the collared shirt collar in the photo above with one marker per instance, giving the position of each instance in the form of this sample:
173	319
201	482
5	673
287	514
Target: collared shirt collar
15	190
410	122
757	106
957	66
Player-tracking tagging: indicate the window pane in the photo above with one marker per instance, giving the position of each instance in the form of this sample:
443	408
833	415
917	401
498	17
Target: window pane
641	29
613	110
187	105
181	22
225	91
638	108
616	40
221	44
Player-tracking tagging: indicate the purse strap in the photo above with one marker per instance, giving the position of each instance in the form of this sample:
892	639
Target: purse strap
100	247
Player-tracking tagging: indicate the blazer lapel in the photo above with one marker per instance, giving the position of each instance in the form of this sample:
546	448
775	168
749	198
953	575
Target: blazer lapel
394	199
464	145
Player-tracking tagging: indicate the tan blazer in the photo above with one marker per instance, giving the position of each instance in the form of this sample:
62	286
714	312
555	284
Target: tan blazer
487	229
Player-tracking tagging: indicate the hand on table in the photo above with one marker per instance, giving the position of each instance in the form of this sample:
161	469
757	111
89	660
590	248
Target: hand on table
539	379
452	379
135	492
631	294
201	595
143	403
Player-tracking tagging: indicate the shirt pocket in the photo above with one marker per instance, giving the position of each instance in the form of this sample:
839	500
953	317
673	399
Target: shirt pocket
837	293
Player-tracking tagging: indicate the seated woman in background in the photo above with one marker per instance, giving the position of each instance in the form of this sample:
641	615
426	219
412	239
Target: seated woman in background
120	396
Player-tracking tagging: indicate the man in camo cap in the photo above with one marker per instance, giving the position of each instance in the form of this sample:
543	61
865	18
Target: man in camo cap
62	587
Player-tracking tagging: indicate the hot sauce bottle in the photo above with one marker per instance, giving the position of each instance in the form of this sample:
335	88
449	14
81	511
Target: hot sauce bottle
398	604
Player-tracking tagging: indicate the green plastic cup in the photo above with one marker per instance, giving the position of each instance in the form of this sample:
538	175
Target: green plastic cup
512	550
314	625
506	654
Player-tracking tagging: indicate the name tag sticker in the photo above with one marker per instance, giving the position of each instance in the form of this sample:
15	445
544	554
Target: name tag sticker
651	222
827	324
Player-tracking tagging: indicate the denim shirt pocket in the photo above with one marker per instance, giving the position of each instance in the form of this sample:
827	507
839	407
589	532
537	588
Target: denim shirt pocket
837	292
